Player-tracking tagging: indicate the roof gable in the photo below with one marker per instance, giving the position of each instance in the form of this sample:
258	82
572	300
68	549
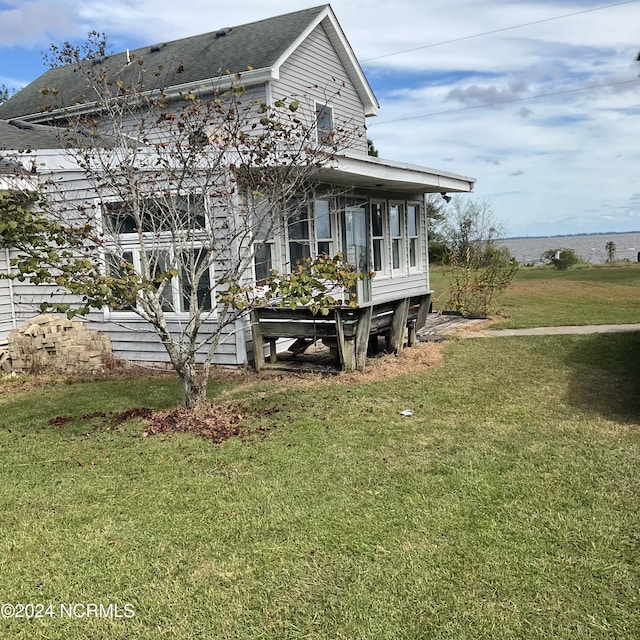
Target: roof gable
256	50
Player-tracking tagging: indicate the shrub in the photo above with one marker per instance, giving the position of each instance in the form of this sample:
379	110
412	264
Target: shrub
561	259
475	284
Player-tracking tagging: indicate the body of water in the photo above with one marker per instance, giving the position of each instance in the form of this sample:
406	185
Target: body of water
591	248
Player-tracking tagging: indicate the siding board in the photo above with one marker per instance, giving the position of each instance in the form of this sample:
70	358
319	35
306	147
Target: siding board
313	73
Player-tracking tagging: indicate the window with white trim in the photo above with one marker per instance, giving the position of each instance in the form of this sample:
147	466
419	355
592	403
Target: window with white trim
324	123
323	227
262	227
378	236
299	236
176	290
177	261
311	231
262	260
413	225
396	233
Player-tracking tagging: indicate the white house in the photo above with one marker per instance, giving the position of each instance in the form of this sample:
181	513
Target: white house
380	227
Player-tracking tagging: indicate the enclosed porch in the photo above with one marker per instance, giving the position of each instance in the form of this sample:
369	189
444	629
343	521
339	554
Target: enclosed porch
380	228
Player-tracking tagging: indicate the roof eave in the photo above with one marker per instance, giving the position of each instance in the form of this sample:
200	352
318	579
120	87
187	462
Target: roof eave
203	87
388	175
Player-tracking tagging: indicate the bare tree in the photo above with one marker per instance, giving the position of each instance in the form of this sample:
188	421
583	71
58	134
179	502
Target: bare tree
183	191
479	268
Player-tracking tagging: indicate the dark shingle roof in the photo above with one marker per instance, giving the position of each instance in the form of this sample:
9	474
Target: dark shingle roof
258	45
16	135
35	137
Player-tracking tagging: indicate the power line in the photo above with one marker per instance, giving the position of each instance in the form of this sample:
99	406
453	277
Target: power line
488	33
491	104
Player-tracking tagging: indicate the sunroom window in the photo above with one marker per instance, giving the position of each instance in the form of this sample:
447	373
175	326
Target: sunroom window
377	210
397	240
323	228
299	245
412	235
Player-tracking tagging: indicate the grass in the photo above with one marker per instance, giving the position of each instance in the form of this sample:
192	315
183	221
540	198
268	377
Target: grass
507	506
543	296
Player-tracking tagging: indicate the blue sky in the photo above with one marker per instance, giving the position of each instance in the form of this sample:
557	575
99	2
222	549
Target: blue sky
539	100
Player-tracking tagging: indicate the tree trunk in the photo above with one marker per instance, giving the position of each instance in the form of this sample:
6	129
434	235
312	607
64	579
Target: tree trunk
195	387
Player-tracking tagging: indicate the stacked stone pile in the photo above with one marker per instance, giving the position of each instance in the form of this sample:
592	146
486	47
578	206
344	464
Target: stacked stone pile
49	342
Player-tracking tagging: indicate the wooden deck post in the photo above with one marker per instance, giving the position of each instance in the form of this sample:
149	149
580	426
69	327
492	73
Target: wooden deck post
258	342
423	311
273	353
412	334
346	347
362	338
398	325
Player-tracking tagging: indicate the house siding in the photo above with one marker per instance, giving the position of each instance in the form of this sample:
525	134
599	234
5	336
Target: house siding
314	72
134	339
385	289
6	310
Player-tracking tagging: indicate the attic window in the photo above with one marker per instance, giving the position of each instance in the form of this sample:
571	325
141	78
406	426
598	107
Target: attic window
324	123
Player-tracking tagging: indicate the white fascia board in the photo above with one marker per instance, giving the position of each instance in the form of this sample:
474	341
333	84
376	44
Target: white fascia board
342	47
22	184
204	87
394	174
44	160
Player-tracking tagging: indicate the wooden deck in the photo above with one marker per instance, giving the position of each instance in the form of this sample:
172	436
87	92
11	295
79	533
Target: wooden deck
349	333
318	358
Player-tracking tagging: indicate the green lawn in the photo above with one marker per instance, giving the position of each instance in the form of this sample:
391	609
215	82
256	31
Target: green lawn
543	296
506	507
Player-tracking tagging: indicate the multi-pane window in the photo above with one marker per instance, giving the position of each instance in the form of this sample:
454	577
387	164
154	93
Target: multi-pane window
175	290
324	123
323	227
173	259
412	234
299	246
311	231
396	233
155	215
377	210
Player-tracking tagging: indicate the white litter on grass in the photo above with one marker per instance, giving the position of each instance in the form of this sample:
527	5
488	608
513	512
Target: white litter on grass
407	413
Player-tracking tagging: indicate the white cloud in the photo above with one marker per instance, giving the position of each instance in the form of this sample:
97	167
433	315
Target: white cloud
36	23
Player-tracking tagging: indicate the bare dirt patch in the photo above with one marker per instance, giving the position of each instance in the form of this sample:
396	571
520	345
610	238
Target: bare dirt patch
424	356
